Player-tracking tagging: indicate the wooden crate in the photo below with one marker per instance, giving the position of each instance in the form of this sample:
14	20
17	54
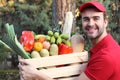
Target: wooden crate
74	64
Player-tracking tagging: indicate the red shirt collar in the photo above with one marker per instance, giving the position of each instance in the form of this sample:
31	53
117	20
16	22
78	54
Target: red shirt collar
101	44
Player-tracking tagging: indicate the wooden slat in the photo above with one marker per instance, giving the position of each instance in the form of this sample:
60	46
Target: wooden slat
69	78
60	59
74	69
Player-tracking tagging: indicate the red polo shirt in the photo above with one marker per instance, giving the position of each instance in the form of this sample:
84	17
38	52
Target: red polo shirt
104	63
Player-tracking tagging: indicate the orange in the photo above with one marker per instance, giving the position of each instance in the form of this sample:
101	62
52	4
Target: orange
42	39
38	46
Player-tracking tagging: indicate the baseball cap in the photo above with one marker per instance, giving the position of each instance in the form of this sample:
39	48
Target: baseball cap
98	5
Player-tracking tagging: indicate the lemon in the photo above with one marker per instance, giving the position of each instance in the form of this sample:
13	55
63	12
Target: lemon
38	46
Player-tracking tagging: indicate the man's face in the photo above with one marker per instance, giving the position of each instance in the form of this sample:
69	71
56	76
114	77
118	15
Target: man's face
93	23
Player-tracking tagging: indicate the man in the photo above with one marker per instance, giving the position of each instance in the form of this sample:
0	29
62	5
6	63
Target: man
104	63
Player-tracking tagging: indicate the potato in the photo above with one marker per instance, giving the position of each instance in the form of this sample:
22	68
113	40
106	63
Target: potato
53	49
44	53
35	54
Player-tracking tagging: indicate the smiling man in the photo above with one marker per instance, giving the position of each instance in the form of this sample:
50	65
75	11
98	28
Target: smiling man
104	62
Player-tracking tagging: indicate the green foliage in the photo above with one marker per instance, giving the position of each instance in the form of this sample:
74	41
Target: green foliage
9	75
3	56
30	15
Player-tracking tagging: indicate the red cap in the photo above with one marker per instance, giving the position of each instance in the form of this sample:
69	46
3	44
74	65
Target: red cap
98	5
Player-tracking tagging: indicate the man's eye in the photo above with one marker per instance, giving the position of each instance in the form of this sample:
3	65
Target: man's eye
96	18
86	19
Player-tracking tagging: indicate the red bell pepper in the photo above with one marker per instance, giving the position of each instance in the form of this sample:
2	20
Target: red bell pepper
64	49
27	40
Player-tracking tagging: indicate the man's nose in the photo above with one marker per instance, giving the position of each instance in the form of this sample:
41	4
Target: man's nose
91	22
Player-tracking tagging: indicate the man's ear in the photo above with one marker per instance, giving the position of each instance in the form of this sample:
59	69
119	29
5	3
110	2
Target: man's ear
106	22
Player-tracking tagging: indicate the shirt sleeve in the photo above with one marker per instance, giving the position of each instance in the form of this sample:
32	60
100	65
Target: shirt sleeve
100	67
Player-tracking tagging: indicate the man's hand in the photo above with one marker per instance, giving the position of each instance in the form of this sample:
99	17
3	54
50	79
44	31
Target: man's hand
27	71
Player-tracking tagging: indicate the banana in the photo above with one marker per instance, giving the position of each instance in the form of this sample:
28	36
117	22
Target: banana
39	36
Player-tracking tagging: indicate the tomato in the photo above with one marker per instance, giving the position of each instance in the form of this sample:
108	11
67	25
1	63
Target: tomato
27	40
64	49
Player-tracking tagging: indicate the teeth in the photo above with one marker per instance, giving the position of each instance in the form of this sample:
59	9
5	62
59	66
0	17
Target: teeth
92	28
